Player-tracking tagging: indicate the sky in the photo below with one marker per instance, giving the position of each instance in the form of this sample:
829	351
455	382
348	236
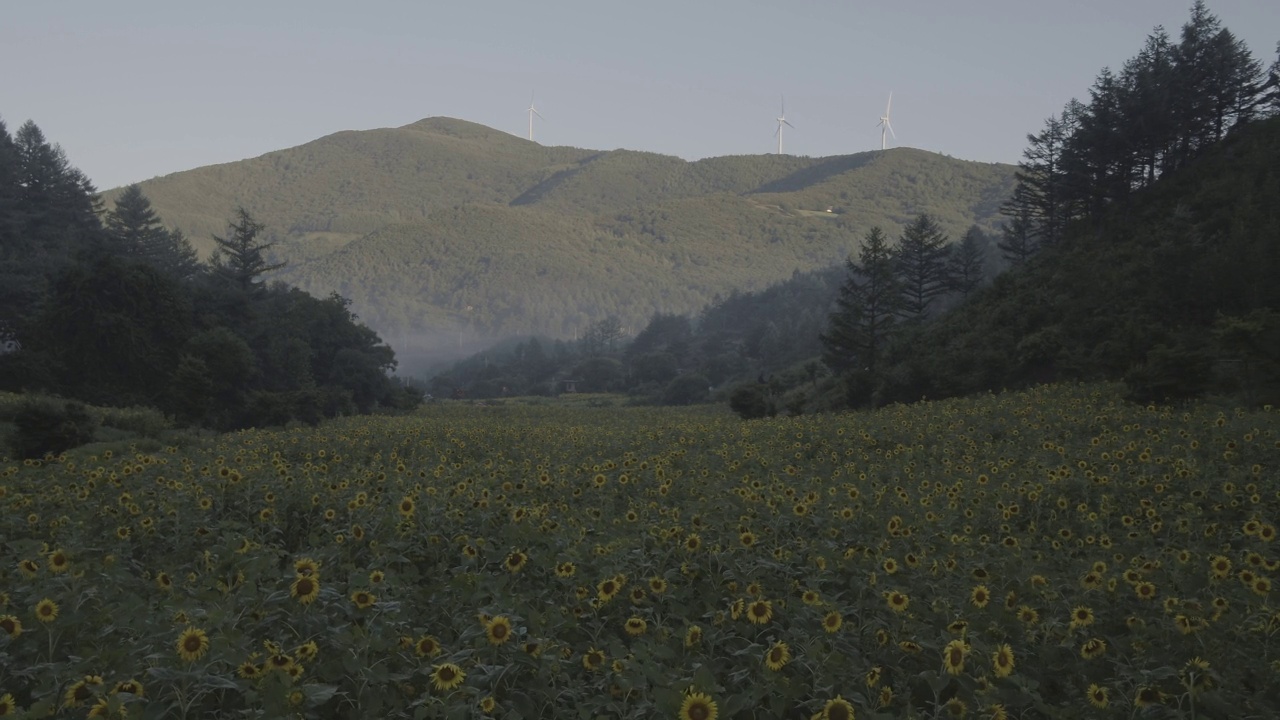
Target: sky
134	90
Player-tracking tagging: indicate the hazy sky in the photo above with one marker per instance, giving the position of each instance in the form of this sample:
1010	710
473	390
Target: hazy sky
132	90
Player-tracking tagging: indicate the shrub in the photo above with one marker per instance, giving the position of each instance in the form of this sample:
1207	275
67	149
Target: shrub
750	401
687	389
50	426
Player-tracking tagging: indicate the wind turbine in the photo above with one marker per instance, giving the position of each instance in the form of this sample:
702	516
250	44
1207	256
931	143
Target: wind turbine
884	123
532	112
782	120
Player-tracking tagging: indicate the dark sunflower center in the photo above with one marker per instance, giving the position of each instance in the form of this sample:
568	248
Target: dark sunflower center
775	655
955	657
499	631
304	587
699	711
446	674
837	712
191	643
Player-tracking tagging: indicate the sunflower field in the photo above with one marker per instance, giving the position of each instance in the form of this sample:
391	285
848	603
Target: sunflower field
1052	553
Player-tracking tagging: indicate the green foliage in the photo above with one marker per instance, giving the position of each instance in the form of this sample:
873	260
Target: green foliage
688	389
751	401
120	316
46	426
867	309
1137	296
137	233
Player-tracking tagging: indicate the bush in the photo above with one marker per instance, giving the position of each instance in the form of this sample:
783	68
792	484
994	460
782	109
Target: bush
750	401
49	427
687	389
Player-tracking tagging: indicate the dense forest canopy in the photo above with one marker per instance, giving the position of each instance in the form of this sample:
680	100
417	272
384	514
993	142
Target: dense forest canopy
109	306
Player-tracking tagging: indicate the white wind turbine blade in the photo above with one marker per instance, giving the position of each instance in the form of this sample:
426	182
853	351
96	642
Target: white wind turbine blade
890	105
788	124
891	132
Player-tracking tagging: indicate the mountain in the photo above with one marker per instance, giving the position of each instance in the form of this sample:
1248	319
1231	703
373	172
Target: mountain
445	233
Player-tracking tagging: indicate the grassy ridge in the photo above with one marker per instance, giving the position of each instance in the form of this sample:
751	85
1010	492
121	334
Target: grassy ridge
417	223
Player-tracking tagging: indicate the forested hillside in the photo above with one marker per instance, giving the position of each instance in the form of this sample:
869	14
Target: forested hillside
106	305
447	234
1144	238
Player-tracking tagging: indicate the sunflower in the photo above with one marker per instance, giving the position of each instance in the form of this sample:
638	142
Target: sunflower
516	561
81	690
1147	696
736	607
692	636
811	597
692	542
657	585
698	706
1145	590
46	611
1002	661
306	567
29	568
1028	615
363	599
192	644
1081	616
1093	648
249	670
1220	567
487	704
873	676
760	612
376	577
8	706
306	588
953	656
608	589
58	561
636	626
427	646
132	687
498	630
406	507
10	625
1098	695
566	569
832	621
898	601
307	651
779	654
592	659
1196	676
955	707
447	676
837	709
980	596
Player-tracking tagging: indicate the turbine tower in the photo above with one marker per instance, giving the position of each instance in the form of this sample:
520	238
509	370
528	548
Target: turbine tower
782	120
884	123
532	112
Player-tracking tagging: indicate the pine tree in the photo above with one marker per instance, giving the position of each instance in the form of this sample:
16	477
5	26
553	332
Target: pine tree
137	233
920	261
239	257
1018	240
965	266
866	309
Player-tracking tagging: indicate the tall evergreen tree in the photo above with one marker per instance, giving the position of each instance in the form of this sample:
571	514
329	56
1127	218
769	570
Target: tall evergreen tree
920	261
239	257
967	260
866	311
137	233
1017	241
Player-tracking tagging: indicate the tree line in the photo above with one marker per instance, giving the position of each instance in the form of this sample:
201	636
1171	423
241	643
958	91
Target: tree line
1165	106
1141	238
112	308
